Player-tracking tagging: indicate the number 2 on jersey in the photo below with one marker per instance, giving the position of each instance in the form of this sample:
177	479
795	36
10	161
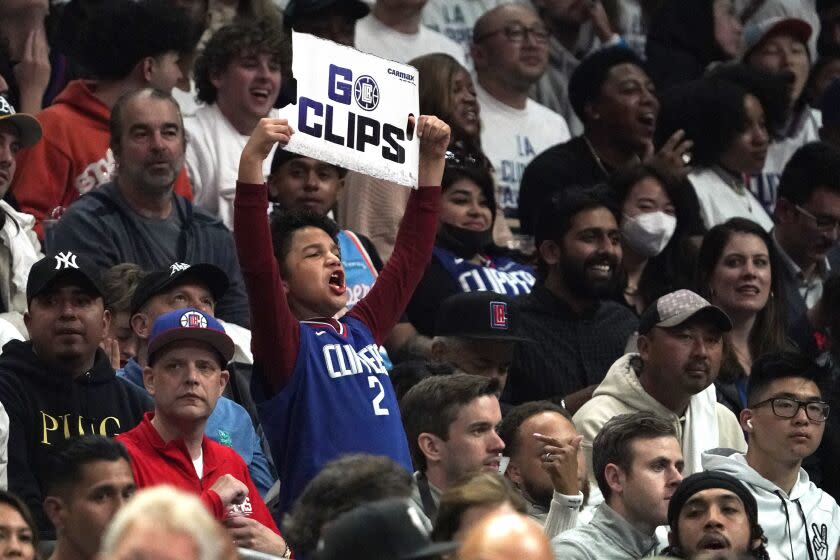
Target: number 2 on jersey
373	383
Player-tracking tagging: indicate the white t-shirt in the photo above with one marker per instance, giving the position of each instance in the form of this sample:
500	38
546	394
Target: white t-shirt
456	18
511	138
719	201
372	36
213	150
198	464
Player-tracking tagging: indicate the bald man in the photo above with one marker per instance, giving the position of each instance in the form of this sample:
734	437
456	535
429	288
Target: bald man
501	536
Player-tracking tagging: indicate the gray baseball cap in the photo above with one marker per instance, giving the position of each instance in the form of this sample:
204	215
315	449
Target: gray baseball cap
678	307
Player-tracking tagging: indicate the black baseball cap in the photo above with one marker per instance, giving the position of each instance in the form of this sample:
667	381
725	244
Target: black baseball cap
392	529
159	281
302	8
29	129
60	265
479	315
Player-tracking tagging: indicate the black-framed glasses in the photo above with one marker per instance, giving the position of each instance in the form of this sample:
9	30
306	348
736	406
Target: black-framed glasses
824	223
786	407
516	33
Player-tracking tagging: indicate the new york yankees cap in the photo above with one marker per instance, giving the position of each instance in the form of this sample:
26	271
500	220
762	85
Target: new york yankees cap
678	307
190	324
391	529
159	281
59	265
29	129
479	315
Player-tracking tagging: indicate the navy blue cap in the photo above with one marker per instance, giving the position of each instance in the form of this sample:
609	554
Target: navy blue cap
190	324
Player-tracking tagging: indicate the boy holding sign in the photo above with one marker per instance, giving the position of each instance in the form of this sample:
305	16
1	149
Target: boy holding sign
320	383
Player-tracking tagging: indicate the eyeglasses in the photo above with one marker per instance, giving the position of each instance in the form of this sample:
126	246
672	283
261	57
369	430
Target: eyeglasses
516	33
823	223
785	407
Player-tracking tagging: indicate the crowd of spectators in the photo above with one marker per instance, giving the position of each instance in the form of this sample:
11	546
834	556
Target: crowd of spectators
606	325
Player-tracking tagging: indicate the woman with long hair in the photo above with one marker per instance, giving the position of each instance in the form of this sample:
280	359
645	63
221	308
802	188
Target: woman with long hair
735	272
18	531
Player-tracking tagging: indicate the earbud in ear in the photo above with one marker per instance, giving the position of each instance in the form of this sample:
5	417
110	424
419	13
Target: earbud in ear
749	424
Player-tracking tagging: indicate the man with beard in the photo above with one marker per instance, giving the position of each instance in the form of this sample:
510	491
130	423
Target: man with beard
545	466
137	217
577	332
680	347
712	516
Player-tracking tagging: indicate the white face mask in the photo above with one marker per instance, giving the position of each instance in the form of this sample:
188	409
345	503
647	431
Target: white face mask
647	234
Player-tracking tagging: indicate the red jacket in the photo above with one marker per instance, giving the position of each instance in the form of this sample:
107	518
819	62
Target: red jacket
73	157
155	462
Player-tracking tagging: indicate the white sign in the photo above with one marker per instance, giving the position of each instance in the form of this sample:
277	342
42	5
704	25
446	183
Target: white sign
352	110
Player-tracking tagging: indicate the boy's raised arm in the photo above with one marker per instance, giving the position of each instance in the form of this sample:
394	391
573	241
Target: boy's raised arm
276	333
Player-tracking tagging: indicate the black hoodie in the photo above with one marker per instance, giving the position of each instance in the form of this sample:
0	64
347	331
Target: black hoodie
45	407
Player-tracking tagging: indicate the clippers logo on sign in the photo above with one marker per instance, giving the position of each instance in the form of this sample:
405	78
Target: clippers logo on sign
193	320
366	93
498	315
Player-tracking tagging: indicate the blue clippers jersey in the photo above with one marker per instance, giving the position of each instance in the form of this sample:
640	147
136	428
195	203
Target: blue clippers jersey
339	400
504	276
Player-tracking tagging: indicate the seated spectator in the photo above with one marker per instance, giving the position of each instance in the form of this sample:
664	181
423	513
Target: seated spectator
118	284
578	331
451	424
17	526
501	536
807	217
87	481
393	30
137	217
685	38
638	465
168	524
465	504
19	247
510	53
545	465
465	258
299	183
779	45
680	346
456	18
60	384
657	234
381	530
476	332
735	272
238	77
144	40
199	286
329	19
296	284
614	98
830	105
784	420
188	351
728	123
342	485
712	513
577	29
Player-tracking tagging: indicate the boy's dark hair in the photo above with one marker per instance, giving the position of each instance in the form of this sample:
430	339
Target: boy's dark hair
245	36
813	166
342	485
407	374
613	444
119	283
587	79
65	463
107	38
433	404
782	365
115	122
285	223
509	428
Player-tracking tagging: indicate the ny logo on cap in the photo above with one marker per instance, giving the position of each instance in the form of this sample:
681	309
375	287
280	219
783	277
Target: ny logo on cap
498	315
65	260
193	320
5	107
177	267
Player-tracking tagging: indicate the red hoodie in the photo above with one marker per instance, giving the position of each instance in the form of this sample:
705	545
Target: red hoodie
73	156
156	462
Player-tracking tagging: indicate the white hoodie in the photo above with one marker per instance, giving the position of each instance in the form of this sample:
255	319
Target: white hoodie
804	525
